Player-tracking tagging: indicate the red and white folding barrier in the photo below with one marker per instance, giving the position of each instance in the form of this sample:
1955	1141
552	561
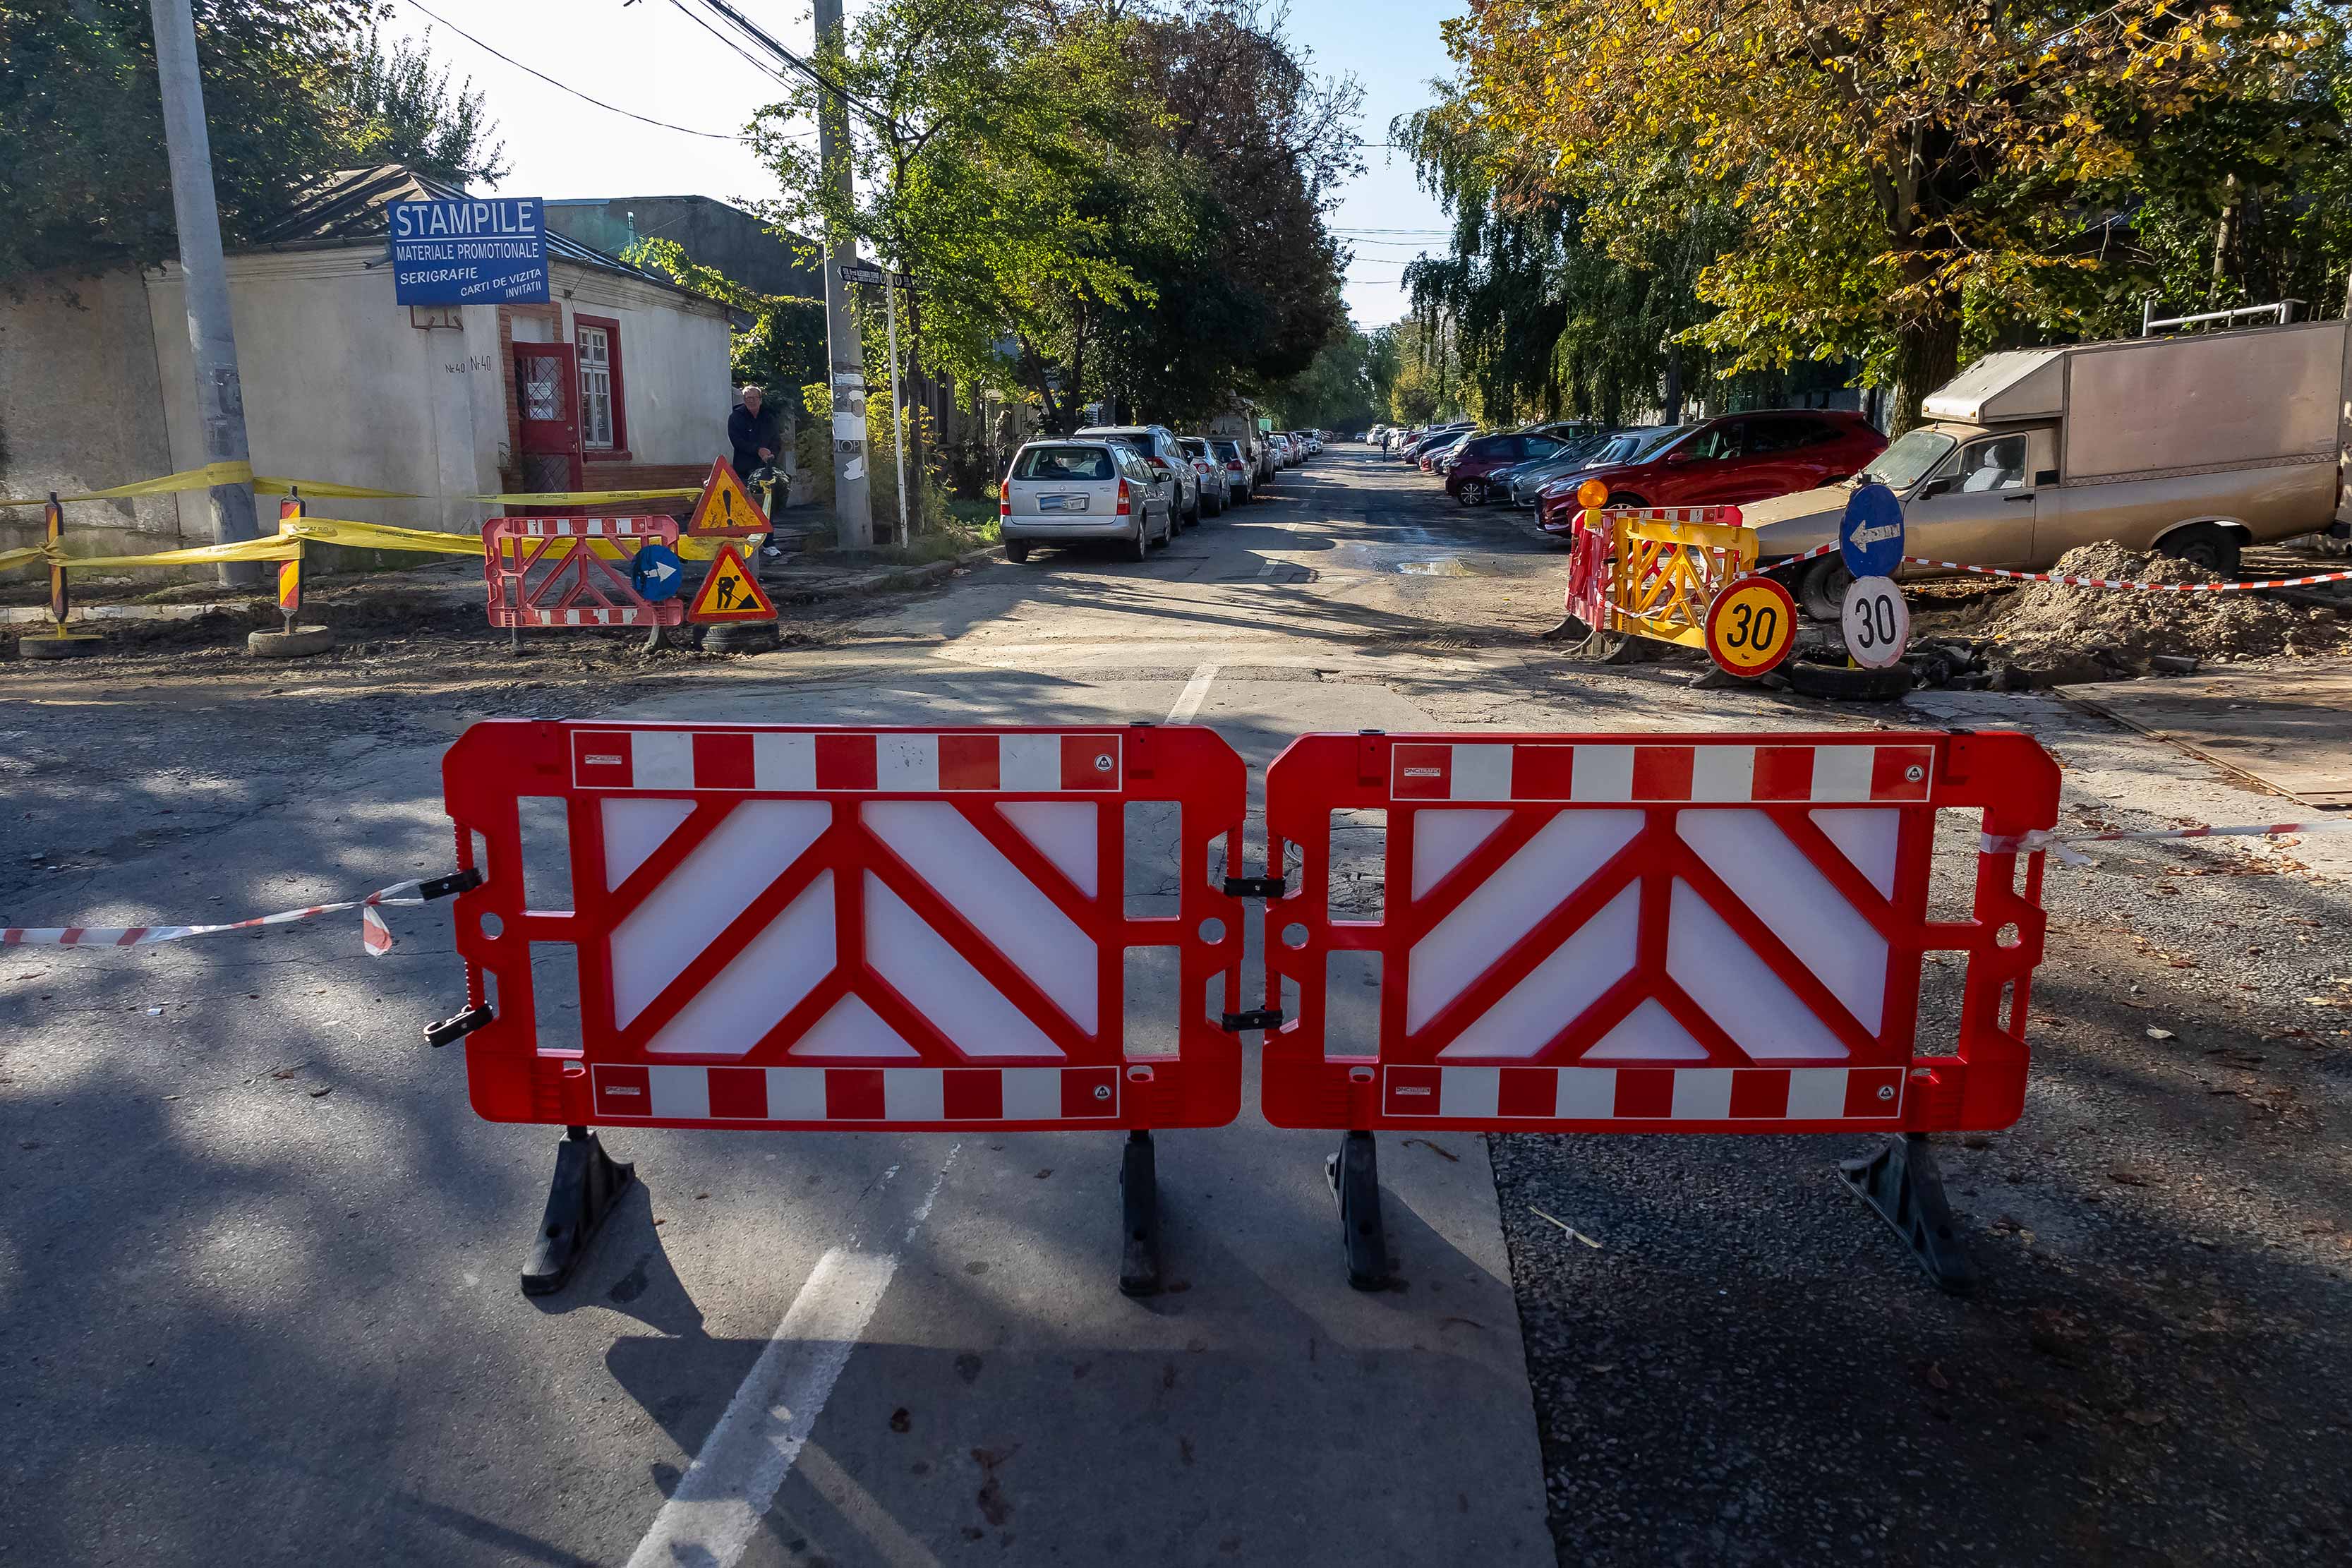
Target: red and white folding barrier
1679	933
545	572
896	929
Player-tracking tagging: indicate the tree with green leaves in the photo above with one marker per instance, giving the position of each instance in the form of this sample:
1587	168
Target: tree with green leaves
397	107
1093	198
783	348
1346	387
293	88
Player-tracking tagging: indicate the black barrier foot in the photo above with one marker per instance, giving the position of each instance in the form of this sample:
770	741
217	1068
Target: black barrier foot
588	1184
1139	1192
1354	1173
1902	1183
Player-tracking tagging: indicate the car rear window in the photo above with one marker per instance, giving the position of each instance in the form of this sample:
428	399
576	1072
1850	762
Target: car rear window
1059	465
1226	449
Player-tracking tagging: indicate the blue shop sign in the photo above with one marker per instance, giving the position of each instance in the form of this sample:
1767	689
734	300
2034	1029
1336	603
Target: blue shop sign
481	250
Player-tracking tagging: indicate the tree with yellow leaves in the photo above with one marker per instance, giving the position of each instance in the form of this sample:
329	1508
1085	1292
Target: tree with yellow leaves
1896	165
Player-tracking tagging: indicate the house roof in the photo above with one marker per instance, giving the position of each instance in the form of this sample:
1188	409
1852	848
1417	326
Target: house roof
346	207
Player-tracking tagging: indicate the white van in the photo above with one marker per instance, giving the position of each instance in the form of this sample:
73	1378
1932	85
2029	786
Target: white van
1060	492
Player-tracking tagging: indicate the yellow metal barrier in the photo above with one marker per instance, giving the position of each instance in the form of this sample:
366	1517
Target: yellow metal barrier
1665	567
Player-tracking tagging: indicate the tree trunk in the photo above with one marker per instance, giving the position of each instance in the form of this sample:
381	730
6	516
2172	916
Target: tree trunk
1927	354
1674	382
2224	232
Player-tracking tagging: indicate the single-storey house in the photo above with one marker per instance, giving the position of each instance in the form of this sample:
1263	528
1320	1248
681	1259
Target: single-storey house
619	381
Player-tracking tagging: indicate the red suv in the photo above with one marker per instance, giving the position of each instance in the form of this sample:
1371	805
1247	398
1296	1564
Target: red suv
1733	458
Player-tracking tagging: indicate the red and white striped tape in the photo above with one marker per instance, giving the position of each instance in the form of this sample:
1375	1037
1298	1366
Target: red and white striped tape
1797	559
2071	582
2115	583
2063	844
374	935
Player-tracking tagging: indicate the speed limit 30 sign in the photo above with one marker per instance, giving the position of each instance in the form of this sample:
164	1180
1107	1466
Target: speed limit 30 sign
1877	622
1751	626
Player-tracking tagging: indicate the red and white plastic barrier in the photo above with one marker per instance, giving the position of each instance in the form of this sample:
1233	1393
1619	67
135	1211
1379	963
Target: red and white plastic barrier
1680	933
806	927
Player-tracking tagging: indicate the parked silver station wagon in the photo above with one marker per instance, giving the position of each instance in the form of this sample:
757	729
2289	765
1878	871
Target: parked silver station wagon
1066	491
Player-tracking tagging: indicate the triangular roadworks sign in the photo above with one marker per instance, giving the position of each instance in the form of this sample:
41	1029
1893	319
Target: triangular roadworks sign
726	507
728	594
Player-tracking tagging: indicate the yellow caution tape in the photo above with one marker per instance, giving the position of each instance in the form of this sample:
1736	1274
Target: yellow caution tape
9	558
584	497
201	479
285	548
212	474
327	489
689	546
380	536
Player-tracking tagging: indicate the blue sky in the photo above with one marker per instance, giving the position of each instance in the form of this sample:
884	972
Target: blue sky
651	58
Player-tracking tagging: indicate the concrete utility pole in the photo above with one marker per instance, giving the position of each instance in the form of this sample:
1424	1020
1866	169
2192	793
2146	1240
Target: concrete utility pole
846	351
212	339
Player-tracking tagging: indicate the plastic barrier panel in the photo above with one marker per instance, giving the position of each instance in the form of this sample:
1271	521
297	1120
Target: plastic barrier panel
545	572
780	926
1670	933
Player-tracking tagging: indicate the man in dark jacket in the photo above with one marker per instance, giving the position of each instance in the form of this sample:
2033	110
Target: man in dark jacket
755	433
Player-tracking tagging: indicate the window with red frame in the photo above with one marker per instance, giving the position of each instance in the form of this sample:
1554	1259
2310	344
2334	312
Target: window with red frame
604	417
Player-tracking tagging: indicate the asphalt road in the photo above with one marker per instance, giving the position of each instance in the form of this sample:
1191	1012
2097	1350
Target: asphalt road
258	1257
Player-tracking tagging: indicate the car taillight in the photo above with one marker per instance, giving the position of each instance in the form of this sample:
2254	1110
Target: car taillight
1124	510
1235	465
1004	501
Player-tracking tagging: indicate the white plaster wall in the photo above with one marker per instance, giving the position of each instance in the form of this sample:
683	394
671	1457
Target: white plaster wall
672	363
79	402
338	386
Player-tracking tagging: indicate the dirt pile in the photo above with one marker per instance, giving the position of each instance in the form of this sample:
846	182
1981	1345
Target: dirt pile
2058	634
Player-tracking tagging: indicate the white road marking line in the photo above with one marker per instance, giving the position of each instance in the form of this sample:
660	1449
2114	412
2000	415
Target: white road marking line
1268	569
716	1507
1195	692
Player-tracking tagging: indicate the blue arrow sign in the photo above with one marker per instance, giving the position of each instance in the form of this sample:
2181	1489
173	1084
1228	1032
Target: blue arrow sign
656	573
1870	535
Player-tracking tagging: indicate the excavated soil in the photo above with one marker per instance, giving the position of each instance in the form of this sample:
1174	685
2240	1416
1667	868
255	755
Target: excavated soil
2057	634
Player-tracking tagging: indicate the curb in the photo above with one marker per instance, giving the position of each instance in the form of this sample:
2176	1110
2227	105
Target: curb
885	580
38	615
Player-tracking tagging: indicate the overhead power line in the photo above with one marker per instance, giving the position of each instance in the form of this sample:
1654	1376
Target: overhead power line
759	36
563	87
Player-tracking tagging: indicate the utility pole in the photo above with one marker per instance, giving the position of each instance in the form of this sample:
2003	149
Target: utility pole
212	339
851	502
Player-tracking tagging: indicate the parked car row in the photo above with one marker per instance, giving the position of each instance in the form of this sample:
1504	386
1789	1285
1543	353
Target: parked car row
2025	454
1134	485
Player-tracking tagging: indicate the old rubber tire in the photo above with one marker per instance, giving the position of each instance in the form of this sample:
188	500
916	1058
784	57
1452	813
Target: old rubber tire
739	636
1841	685
1016	551
2205	545
302	642
1821	588
41	646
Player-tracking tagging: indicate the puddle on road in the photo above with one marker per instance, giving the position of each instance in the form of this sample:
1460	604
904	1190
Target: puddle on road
1446	566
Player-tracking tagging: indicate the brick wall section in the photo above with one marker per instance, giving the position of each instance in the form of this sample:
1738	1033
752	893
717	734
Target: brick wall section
646	477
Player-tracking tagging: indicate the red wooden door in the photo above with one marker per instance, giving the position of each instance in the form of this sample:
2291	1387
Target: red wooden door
547	394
